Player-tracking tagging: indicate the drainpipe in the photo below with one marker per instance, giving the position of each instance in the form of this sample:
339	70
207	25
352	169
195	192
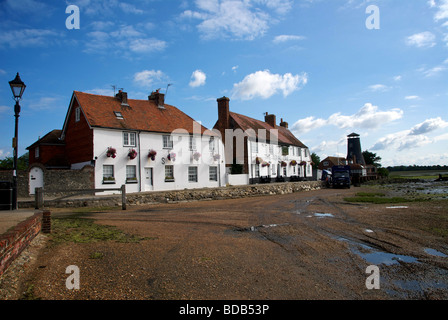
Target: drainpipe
139	164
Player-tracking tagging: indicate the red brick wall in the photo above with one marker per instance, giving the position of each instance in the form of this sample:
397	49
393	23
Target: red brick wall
47	153
15	240
78	139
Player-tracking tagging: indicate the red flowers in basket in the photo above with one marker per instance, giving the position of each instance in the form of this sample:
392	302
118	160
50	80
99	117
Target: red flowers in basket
152	154
132	154
111	152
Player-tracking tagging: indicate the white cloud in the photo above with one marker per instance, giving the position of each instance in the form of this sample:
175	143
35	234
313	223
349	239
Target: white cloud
367	117
265	84
197	79
423	39
285	38
123	40
412	97
413	138
378	87
45	103
147	78
28	38
236	19
442	12
428	126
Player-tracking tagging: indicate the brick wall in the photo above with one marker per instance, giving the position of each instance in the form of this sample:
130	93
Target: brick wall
15	240
55	181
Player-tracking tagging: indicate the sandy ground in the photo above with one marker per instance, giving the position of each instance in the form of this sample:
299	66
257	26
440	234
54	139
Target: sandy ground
309	245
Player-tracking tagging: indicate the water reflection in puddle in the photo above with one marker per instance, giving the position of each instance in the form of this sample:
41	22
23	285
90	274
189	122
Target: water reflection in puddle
435	252
377	257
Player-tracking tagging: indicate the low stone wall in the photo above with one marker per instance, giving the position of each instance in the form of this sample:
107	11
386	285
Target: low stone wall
15	240
231	192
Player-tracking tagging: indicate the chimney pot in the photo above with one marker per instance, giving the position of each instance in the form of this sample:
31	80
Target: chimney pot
123	97
283	124
158	98
270	119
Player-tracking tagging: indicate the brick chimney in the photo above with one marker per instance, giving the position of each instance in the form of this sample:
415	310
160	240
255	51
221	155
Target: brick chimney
283	124
123	97
223	115
158	98
270	119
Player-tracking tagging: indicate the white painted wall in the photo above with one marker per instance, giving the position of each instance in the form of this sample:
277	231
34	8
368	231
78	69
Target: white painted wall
145	141
273	155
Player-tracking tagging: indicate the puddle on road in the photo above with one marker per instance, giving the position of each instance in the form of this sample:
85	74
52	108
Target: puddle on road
263	226
377	257
323	215
434	252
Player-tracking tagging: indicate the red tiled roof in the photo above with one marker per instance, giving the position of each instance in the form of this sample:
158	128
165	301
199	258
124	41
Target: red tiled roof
284	135
142	115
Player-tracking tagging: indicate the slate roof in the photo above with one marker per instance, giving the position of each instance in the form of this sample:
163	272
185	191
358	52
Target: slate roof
51	138
141	115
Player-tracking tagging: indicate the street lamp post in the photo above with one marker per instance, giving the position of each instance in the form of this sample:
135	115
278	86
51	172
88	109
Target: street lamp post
17	88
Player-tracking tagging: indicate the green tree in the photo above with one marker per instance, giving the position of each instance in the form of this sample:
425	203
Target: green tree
8	162
371	158
316	159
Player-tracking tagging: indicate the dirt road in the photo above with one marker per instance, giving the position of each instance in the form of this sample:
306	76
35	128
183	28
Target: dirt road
309	245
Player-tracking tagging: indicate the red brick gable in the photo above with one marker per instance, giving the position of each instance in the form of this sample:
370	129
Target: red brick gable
142	115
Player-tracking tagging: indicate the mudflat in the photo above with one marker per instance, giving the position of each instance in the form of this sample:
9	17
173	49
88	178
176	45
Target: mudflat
316	245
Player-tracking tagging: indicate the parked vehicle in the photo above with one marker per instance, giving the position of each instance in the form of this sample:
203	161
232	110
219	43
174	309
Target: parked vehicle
341	176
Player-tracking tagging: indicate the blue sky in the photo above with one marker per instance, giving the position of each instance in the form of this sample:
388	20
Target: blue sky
314	63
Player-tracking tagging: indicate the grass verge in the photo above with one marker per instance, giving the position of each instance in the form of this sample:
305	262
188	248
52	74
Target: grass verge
77	229
380	198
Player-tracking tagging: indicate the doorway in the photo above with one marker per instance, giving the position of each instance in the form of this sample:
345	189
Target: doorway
36	179
149	180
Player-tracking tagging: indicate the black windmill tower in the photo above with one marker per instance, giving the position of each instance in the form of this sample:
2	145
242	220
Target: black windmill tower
354	153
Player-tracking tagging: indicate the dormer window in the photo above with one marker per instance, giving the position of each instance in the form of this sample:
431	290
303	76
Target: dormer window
118	115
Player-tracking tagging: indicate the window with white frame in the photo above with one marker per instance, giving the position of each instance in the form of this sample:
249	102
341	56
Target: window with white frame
273	170
254	146
131	174
169	173
129	139
167	142
271	149
192	174
213	173
108	174
211	144
36	152
192	143
257	171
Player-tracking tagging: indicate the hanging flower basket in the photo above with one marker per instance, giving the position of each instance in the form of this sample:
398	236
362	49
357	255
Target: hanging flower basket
293	162
111	152
196	156
258	160
216	157
132	154
283	164
265	164
303	163
152	154
171	156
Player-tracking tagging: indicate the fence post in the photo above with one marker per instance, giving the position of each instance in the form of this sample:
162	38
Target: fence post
123	197
39	198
